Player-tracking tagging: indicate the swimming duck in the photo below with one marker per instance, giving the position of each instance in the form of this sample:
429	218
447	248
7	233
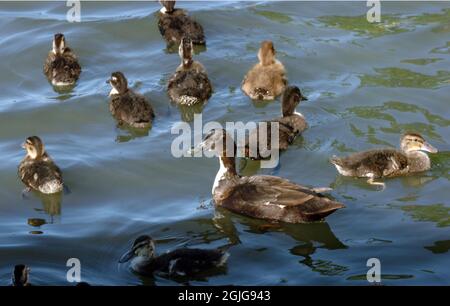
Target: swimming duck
20	276
290	124
37	170
174	24
380	163
127	106
262	196
190	84
61	66
267	79
180	262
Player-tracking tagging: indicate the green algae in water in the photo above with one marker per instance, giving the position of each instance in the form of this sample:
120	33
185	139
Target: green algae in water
442	19
274	16
363	277
442	50
421	61
437	213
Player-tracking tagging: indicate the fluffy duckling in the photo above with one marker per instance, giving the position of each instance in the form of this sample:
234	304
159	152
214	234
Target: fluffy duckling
61	66
37	170
190	84
181	262
262	196
20	276
380	163
127	106
174	24
291	124
267	79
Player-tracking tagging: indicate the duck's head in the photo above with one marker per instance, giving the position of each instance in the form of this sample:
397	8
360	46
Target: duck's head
291	98
20	275
411	142
185	51
34	147
118	83
266	53
59	43
143	246
168	6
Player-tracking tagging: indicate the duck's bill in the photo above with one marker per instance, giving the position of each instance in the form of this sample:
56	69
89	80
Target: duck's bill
127	256
429	148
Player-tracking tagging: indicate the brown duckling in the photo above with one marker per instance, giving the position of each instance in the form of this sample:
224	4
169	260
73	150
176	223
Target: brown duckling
262	196
291	124
20	276
267	79
61	66
190	84
380	163
174	24
127	106
37	170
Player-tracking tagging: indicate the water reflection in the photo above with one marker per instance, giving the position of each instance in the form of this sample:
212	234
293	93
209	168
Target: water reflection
187	112
130	133
437	213
51	206
439	247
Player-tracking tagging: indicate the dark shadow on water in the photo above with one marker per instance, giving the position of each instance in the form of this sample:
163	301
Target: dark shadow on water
439	247
130	133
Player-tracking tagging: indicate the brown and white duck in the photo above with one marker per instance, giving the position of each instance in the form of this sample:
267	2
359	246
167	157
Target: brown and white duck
190	84
291	124
20	276
379	163
262	196
127	106
61	66
267	79
174	24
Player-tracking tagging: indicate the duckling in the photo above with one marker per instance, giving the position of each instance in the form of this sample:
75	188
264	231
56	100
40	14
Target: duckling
291	124
262	196
20	276
190	84
127	106
174	24
180	262
61	66
379	163
267	79
37	170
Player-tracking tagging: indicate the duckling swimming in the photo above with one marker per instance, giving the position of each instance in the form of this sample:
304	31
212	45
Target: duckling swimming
174	24
61	66
37	170
380	163
267	79
180	262
20	276
291	124
190	84
262	196
128	107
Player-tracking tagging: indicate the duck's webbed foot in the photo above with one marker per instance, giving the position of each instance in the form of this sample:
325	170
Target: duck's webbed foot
25	193
371	181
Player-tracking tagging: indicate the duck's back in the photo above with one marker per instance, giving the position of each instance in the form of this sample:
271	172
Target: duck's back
177	25
189	87
41	175
63	68
132	108
265	82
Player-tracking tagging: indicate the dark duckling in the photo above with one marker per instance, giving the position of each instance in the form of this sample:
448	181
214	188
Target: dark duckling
127	106
37	170
379	163
190	84
180	262
267	79
61	66
291	124
20	276
174	24
262	196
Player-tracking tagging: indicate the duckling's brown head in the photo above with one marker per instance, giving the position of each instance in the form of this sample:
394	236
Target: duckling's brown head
59	43
415	142
266	54
118	83
291	98
20	275
168	6
143	246
185	51
34	147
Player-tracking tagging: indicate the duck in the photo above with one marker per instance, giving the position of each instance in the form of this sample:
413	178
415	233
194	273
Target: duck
265	197
190	84
174	24
127	106
267	79
183	262
37	170
383	163
61	66
21	276
291	124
